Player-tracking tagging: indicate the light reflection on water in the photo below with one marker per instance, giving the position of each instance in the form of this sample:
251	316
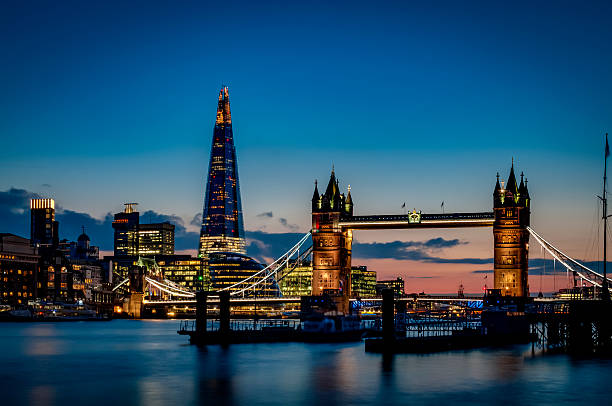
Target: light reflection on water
147	363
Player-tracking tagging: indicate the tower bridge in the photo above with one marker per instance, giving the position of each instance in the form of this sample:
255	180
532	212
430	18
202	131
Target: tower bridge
333	223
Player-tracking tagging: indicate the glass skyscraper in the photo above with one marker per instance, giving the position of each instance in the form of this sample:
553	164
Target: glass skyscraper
222	225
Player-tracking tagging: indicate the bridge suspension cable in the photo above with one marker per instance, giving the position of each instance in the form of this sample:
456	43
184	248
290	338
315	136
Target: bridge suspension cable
274	276
121	283
569	263
255	279
169	290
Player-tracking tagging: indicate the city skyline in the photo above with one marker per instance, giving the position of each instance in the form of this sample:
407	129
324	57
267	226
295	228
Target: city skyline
451	111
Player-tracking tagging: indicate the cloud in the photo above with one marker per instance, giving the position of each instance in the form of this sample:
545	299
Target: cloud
46	185
15	211
262	245
420	277
267	214
285	223
414	251
486	271
197	220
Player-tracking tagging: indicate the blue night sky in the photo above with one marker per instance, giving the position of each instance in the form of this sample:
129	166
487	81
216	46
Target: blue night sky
108	102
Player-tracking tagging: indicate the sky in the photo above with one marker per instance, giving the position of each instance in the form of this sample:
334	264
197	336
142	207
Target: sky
108	102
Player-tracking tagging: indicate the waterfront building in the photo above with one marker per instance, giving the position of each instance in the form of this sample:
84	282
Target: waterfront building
185	270
18	269
43	227
133	238
363	282
229	268
298	282
222	224
397	285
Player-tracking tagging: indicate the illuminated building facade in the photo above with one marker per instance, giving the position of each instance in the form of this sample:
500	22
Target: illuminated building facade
185	270
43	227
18	270
511	238
331	243
298	282
222	224
229	268
397	285
363	282
156	239
133	238
126	225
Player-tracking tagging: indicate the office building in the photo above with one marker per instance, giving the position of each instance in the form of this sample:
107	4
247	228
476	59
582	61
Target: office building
298	282
363	282
397	285
133	238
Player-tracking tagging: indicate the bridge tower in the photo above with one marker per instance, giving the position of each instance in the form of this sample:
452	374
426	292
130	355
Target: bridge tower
511	238
331	252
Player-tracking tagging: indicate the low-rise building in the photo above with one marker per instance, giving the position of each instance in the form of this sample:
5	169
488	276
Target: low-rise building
18	269
397	285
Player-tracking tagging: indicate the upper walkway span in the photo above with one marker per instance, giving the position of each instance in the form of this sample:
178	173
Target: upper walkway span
418	220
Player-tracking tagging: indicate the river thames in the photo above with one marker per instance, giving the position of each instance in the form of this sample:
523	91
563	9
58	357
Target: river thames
137	362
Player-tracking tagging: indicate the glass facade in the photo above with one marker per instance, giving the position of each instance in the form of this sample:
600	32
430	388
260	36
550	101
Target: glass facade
363	282
156	239
298	282
228	268
125	225
222	224
133	238
187	271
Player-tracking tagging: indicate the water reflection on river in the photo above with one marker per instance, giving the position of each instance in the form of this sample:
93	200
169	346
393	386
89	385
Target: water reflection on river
147	363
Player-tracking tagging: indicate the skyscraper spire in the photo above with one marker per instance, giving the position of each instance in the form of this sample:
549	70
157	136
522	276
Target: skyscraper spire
224	116
222	225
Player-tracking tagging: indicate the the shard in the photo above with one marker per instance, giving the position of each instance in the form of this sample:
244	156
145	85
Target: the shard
222	225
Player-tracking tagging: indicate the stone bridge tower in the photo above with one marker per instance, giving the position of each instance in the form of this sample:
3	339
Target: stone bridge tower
331	252
511	238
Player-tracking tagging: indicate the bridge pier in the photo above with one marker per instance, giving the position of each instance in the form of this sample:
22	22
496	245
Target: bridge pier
201	312
388	317
224	314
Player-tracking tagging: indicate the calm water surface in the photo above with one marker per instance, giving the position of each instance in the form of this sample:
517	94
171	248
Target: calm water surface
130	362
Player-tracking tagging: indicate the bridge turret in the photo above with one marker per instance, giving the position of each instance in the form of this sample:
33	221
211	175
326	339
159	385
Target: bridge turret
348	203
316	199
511	238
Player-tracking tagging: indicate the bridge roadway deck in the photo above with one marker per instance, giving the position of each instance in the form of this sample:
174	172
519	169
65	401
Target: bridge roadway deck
296	299
403	221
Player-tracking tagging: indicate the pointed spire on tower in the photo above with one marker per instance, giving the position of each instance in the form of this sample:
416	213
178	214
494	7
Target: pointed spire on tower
315	195
521	188
511	184
224	115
